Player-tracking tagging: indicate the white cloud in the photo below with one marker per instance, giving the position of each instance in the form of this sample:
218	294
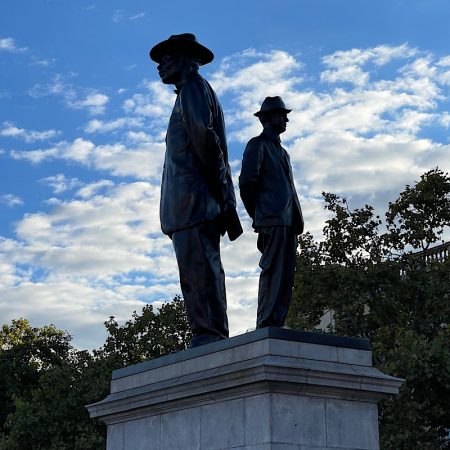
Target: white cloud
57	86
421	67
254	75
35	156
348	164
100	126
380	55
11	200
138	136
242	292
43	62
75	98
73	305
94	102
248	77
445	119
79	150
90	189
11	130
155	104
101	234
95	257
445	62
137	16
9	45
120	15
143	161
346	66
413	121
351	74
60	183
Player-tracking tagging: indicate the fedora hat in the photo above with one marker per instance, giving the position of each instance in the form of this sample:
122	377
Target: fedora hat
272	104
185	44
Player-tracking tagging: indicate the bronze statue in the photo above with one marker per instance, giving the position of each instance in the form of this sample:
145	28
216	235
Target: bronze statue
269	196
198	203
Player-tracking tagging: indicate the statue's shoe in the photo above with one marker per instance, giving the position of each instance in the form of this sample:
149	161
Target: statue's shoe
203	339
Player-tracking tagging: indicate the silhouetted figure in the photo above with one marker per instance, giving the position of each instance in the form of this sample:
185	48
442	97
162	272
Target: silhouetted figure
269	195
197	196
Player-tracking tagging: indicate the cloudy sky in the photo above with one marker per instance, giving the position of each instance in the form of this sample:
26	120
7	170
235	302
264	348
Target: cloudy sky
83	118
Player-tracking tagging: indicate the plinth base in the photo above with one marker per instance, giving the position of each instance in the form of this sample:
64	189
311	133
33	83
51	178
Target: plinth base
269	389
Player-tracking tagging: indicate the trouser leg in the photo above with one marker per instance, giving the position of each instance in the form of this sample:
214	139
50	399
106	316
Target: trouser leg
202	279
278	246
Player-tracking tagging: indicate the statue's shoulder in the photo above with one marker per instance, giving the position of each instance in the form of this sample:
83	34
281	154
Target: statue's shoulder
196	81
256	141
197	87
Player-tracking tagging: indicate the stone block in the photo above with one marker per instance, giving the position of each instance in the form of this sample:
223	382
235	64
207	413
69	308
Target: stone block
180	430
357	357
298	420
143	434
114	438
317	352
352	424
257	419
223	425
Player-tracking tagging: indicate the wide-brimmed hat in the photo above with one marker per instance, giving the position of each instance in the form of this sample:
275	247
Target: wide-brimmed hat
272	104
185	44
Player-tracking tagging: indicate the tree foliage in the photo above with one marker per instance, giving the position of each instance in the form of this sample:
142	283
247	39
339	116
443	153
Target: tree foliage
24	353
149	335
377	286
45	383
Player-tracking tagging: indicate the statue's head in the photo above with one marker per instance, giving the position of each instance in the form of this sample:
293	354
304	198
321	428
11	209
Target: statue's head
179	54
273	114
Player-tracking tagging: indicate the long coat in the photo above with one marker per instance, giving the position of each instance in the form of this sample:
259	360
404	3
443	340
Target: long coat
196	184
267	186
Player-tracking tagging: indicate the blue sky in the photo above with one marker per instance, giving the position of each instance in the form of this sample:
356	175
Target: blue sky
83	117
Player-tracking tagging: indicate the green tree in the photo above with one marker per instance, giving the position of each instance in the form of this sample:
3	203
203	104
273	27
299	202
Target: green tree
149	335
46	410
25	352
377	287
53	416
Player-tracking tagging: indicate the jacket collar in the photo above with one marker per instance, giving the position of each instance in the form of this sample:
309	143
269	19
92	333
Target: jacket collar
185	80
269	134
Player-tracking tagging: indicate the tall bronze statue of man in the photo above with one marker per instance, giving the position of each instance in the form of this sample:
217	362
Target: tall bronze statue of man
270	198
198	203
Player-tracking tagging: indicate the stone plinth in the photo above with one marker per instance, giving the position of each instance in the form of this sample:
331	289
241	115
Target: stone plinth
269	389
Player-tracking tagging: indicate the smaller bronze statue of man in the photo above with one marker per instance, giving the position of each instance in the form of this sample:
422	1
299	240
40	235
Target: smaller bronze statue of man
198	203
270	198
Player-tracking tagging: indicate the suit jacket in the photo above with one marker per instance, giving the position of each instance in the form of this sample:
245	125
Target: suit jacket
267	186
196	183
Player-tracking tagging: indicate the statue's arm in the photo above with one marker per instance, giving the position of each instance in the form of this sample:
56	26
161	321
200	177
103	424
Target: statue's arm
250	175
198	118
